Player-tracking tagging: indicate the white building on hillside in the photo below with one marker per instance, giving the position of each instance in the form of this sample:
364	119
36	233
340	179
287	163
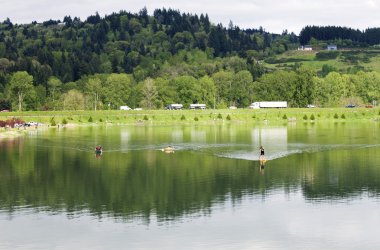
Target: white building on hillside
332	47
305	48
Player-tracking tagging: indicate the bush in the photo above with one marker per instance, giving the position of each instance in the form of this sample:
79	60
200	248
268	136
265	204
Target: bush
219	116
305	117
90	119
183	117
343	116
336	116
5	104
146	118
11	122
284	117
312	117
327	55
228	117
196	119
254	116
52	122
100	120
64	121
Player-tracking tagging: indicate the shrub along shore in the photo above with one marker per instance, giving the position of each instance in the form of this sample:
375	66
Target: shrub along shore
209	116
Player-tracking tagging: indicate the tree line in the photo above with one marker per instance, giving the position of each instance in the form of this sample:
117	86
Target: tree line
219	90
370	36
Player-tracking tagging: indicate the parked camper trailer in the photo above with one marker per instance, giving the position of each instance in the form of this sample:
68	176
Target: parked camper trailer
257	105
125	108
197	106
174	106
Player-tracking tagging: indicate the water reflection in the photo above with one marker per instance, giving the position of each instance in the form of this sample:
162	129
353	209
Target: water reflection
177	135
198	135
261	166
57	171
275	139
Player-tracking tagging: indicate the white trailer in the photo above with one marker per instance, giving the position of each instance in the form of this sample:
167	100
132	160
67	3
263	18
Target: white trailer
257	105
197	106
174	106
125	108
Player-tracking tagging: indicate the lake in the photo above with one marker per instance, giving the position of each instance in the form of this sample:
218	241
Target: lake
319	189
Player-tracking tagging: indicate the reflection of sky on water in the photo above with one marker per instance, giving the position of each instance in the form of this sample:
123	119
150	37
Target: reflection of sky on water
280	221
274	140
125	137
276	152
177	136
271	138
198	135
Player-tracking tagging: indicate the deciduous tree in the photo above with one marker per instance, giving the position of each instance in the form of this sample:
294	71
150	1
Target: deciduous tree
73	100
94	87
117	89
149	94
21	85
54	86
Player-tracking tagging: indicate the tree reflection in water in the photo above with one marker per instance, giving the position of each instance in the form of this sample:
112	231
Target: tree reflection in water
47	174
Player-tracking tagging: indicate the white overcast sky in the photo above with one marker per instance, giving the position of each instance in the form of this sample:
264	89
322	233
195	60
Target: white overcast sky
273	15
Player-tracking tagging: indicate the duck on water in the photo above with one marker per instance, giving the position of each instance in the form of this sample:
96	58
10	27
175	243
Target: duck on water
168	150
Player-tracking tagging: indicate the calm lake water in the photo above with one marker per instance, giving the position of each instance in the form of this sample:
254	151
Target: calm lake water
319	189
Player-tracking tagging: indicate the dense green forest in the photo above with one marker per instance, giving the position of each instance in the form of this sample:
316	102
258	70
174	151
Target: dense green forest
150	61
370	36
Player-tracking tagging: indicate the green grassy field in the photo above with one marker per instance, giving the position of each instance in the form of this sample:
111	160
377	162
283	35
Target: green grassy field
158	117
345	59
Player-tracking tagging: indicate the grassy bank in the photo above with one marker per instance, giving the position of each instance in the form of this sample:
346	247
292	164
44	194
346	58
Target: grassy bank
157	117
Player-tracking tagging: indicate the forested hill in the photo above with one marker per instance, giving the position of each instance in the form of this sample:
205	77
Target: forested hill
125	42
150	61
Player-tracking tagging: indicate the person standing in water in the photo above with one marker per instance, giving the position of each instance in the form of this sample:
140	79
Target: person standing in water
262	153
262	159
98	151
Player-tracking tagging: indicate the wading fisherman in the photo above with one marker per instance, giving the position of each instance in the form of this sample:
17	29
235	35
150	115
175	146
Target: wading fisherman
98	151
262	153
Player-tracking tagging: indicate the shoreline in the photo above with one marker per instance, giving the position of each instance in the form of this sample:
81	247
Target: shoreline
258	117
11	133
